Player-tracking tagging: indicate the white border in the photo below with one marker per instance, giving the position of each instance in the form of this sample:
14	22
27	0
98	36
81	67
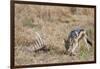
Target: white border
5	34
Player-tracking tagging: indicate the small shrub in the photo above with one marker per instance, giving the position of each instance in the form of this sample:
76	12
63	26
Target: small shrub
28	23
83	53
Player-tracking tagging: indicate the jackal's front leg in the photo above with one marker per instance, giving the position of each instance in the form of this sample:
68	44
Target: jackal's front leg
73	48
87	46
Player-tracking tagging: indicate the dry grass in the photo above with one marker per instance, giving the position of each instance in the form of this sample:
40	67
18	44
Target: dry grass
54	23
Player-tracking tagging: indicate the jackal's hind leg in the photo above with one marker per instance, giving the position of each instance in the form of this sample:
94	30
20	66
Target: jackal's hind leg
87	46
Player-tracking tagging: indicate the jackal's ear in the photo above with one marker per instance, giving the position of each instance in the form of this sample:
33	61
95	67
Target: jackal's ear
64	40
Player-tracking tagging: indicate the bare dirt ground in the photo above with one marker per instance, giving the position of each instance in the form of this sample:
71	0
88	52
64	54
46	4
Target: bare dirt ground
55	23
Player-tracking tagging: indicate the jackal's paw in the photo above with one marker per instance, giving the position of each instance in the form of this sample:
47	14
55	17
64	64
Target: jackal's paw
72	54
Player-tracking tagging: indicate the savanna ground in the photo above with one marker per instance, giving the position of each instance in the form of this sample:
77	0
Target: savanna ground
55	23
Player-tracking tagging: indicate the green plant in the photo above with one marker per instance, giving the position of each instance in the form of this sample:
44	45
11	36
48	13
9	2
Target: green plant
83	53
28	23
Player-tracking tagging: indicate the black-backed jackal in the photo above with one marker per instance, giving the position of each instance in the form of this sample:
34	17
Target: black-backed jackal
73	40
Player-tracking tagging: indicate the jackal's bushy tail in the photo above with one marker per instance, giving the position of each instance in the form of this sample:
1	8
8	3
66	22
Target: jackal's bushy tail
89	42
